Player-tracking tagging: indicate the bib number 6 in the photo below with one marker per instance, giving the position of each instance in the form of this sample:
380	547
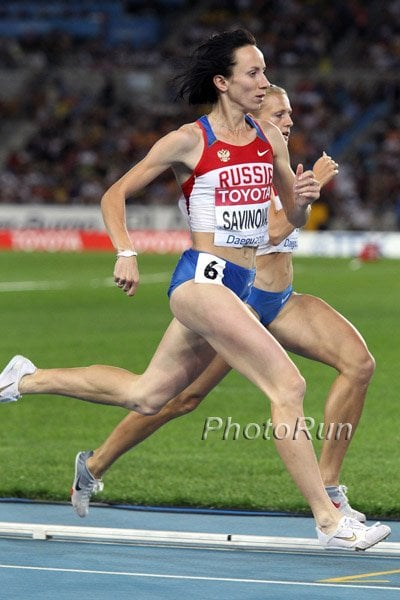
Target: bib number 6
209	269
210	272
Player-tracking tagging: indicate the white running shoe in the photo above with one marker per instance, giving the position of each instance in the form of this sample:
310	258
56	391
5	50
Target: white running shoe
338	495
84	485
353	535
12	375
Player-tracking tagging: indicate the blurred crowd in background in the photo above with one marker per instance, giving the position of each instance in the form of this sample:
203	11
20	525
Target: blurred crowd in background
86	90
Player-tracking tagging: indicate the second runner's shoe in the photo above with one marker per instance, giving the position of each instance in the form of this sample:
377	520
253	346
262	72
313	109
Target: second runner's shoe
338	495
84	485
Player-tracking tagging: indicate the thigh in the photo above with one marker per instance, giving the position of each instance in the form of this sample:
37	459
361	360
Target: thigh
226	323
311	328
181	356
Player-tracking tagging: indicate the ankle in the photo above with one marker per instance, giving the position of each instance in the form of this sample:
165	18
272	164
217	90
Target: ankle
93	467
332	488
25	384
330	479
327	523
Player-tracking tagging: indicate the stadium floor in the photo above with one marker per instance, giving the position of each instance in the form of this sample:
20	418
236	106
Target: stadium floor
49	552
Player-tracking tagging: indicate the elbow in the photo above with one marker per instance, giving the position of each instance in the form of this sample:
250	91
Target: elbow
103	202
298	222
104	198
114	196
298	218
107	200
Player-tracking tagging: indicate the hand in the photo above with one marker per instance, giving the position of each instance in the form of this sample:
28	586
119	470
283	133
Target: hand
325	169
126	274
306	187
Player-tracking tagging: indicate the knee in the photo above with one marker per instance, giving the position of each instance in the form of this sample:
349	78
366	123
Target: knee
367	367
144	404
291	392
143	408
183	404
360	366
296	390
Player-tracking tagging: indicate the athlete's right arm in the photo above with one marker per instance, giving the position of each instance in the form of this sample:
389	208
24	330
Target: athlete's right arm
278	225
296	190
177	150
324	169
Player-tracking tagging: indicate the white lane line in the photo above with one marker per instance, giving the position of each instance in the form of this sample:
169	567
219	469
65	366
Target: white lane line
200	578
32	286
39	286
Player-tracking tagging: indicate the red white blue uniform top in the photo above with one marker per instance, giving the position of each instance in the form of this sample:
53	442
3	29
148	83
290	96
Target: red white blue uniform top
288	244
229	190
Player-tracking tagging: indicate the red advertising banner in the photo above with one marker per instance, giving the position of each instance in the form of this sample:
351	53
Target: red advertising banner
74	240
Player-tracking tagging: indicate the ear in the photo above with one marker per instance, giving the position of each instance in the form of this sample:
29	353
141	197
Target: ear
220	83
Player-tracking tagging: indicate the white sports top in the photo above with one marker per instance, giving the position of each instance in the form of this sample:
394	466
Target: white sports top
289	244
229	190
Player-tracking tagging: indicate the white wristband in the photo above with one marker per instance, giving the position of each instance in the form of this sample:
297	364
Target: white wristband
126	253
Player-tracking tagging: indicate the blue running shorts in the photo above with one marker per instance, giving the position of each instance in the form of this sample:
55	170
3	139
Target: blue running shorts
207	268
268	304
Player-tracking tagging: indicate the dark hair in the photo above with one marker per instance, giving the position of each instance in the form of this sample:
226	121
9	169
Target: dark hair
213	57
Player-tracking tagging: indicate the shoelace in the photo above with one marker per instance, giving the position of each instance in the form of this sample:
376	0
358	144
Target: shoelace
353	524
343	490
92	488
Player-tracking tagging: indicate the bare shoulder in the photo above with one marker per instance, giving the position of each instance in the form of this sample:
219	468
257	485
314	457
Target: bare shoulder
272	131
183	146
185	138
275	138
178	149
189	135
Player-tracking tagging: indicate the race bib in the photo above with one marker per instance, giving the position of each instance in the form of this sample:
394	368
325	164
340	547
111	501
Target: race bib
241	205
209	269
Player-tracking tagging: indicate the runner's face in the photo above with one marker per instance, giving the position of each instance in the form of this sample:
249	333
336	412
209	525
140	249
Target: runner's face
276	108
247	84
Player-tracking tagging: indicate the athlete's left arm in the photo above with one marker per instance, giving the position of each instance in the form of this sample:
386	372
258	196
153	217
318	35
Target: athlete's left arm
177	149
297	191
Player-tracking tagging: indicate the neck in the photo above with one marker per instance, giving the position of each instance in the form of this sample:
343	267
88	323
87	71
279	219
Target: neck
232	128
